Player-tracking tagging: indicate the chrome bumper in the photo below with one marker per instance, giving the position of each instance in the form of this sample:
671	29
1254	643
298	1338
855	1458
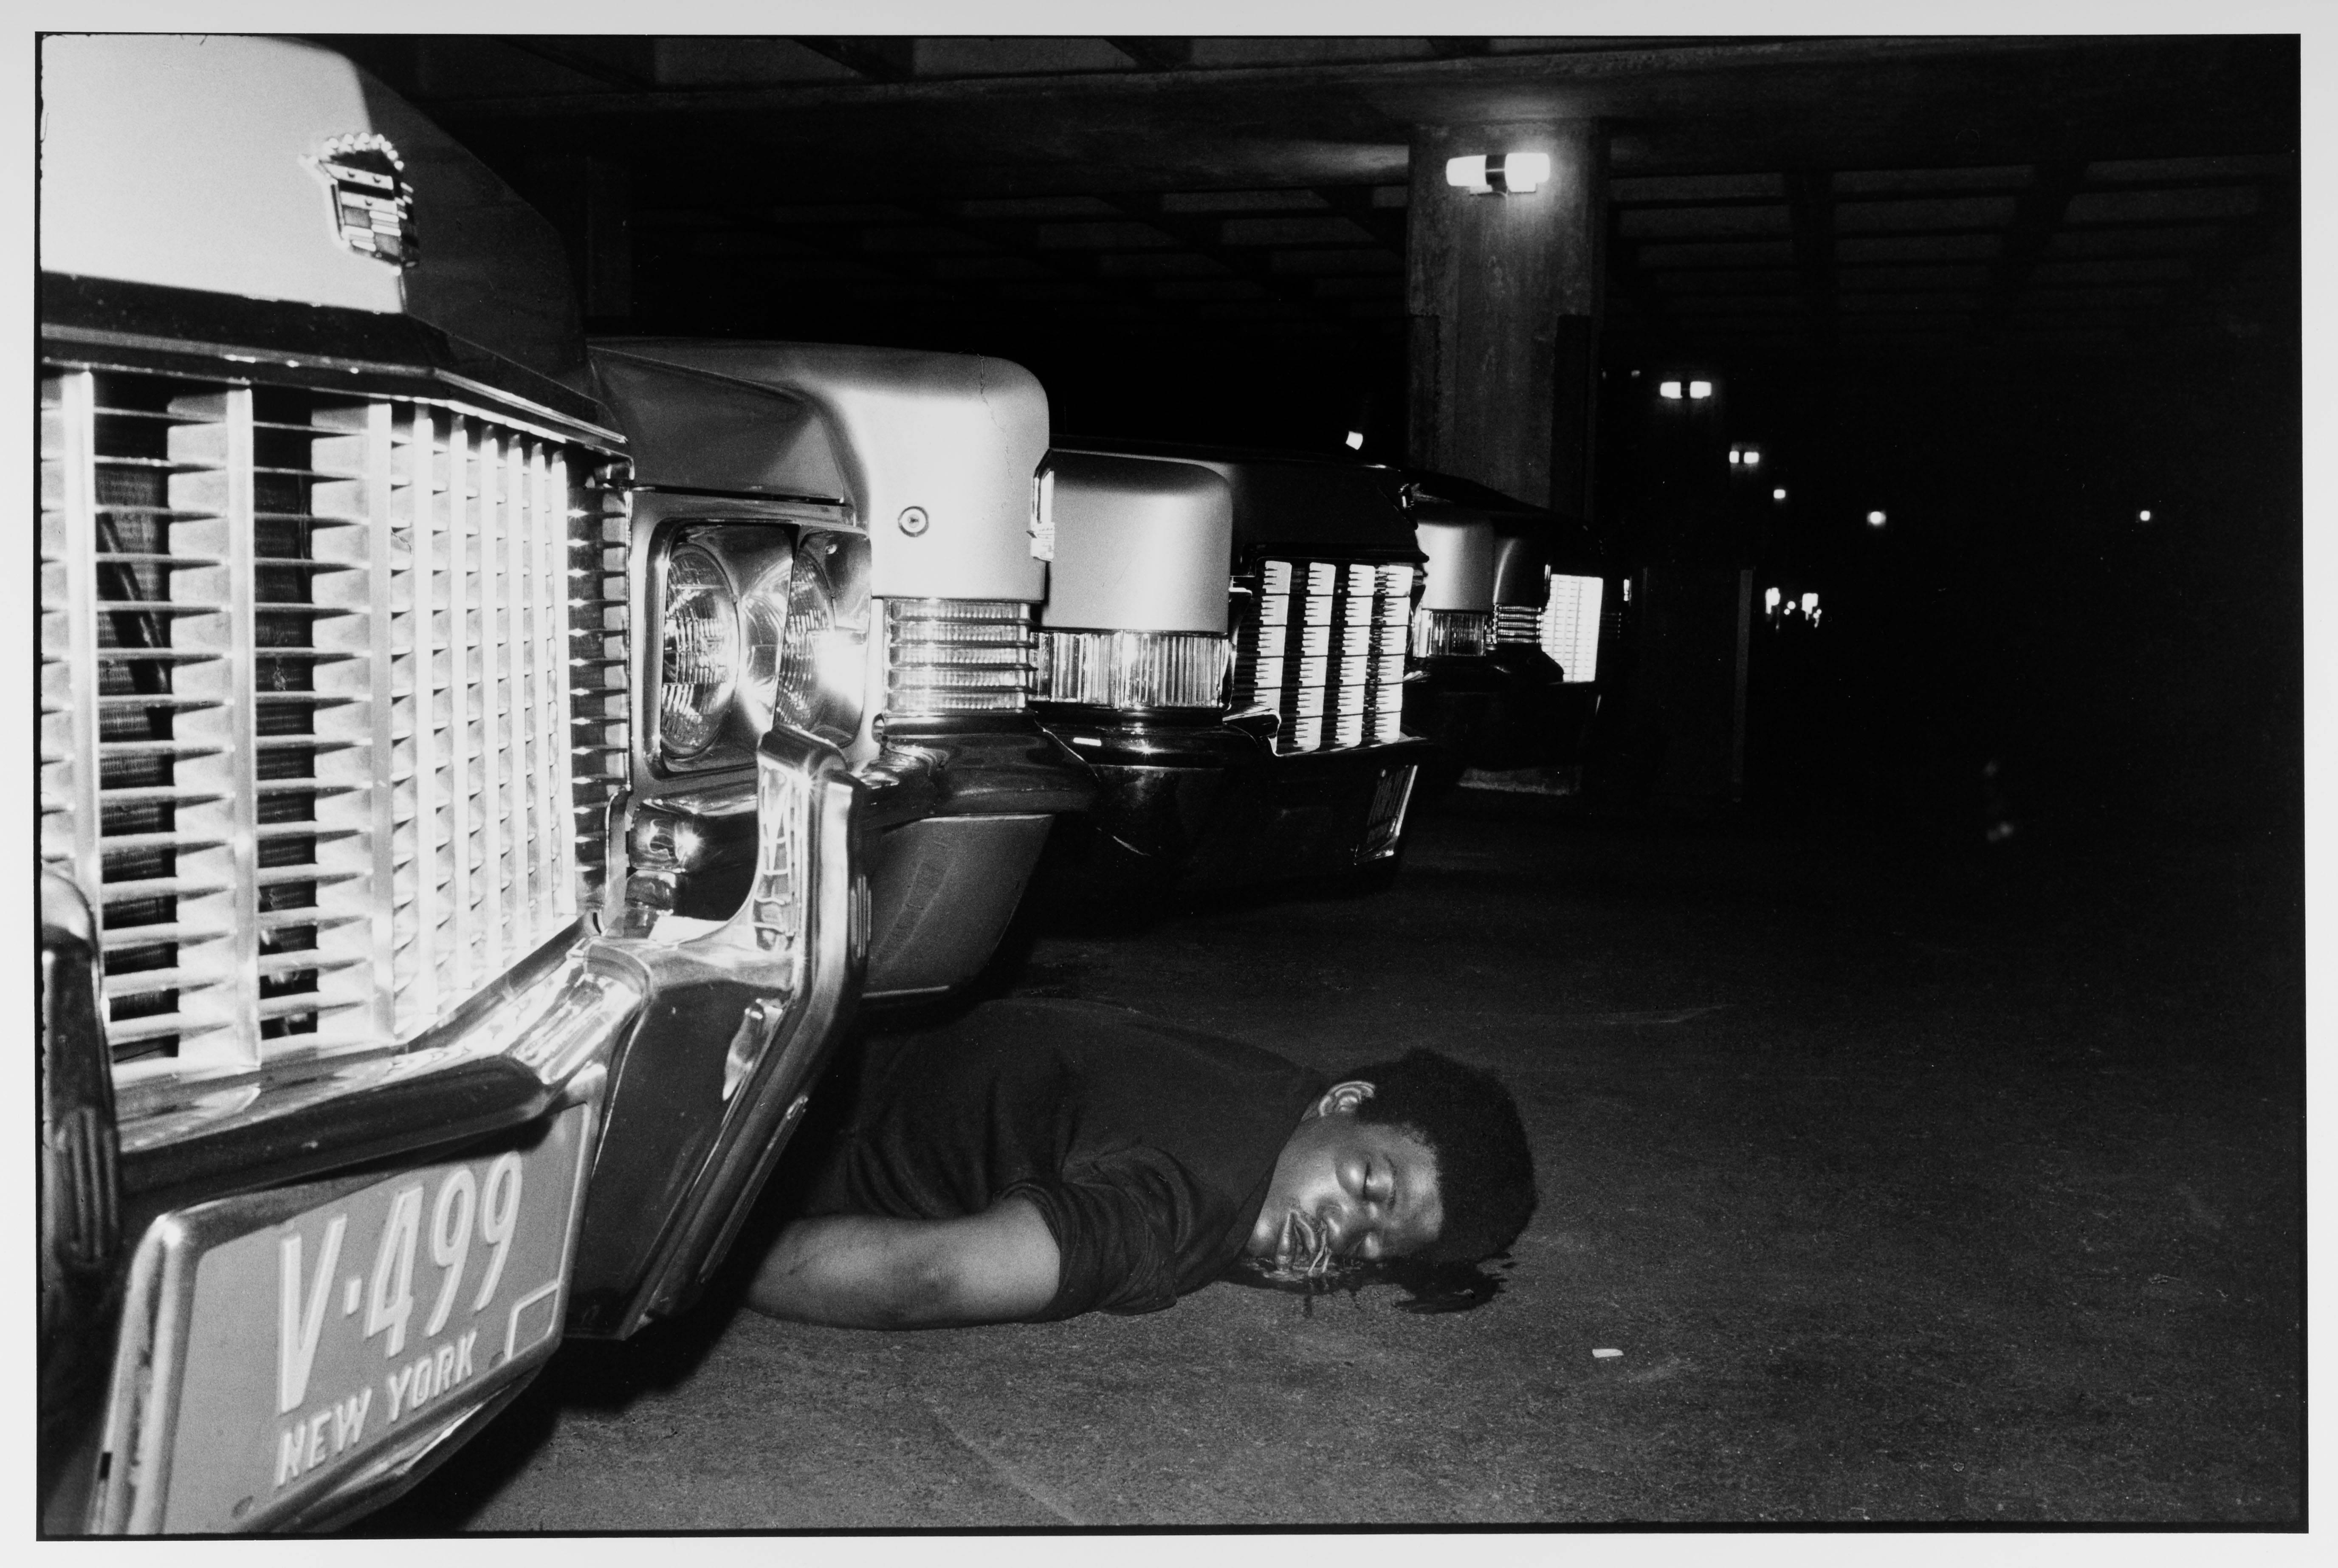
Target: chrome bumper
1186	806
707	1089
691	1062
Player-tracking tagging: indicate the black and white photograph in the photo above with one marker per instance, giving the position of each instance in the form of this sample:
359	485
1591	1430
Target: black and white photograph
1522	768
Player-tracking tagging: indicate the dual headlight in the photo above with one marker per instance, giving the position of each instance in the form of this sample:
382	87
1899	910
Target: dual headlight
758	626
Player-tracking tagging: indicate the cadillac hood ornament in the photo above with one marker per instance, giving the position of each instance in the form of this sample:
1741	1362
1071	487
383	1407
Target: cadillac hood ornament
372	204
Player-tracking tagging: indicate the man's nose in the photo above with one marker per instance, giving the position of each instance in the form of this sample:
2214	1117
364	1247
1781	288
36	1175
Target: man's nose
1351	1224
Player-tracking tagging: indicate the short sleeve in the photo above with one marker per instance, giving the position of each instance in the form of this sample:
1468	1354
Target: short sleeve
1119	1224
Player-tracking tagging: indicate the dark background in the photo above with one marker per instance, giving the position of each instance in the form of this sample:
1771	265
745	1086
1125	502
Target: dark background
2010	291
1927	1132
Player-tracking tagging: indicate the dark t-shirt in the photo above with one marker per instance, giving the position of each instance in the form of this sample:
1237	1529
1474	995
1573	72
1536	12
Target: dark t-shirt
1145	1147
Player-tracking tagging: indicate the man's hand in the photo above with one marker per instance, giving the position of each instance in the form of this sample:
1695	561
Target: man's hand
861	1271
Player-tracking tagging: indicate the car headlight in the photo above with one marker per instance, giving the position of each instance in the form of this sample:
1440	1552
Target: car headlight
699	652
758	626
763	629
821	663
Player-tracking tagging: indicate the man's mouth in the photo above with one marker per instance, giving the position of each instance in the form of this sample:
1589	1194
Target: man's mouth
1304	1248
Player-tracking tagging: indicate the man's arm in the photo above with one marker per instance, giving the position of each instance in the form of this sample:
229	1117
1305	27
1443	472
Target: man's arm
863	1271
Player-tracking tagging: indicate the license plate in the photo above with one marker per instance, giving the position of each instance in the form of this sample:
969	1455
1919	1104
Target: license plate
316	1342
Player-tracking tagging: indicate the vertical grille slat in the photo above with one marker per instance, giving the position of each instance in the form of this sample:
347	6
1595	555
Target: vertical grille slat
494	660
420	510
597	667
547	512
354	971
69	826
514	794
308	662
1322	647
221	976
462	563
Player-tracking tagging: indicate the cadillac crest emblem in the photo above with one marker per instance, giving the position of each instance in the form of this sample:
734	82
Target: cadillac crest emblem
372	204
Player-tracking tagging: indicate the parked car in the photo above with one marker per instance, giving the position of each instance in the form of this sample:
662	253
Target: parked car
865	518
1223	644
1508	636
360	1081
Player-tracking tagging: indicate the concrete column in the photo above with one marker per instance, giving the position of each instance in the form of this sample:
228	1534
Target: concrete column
1505	292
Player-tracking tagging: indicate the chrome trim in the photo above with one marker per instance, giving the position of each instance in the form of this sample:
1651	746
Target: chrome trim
501	406
233	818
77	509
806	948
495	668
144	1406
428	536
562	1029
947	657
381	900
1133	669
353	479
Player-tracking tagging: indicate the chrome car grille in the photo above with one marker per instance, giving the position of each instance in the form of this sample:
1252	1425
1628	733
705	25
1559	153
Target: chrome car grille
1323	648
333	702
1570	625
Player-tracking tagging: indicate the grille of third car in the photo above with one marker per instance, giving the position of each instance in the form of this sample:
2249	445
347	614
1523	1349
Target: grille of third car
1323	649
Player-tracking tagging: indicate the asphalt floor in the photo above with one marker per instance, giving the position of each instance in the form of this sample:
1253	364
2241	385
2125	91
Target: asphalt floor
1919	1186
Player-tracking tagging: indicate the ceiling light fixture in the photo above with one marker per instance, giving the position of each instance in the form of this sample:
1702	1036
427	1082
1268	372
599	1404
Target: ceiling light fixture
1698	389
1487	174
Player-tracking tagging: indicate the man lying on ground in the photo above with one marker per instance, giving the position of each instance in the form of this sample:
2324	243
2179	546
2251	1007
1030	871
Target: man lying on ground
1036	1160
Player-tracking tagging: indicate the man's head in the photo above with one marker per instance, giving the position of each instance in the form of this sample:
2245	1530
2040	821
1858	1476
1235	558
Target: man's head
1419	1156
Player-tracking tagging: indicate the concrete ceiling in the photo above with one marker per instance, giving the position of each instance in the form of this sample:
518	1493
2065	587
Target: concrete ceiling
1793	196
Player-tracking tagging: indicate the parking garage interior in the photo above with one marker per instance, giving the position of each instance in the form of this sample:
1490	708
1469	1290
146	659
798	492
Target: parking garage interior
1906	991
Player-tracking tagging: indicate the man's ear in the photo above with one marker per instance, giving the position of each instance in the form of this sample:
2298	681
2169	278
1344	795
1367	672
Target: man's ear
1341	1099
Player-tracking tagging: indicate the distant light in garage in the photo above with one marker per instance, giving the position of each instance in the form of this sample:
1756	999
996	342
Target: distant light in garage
1875	519
1515	173
1700	389
1770	601
1522	171
1777	495
1670	390
1751	457
1810	606
1355	440
1735	456
2144	516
